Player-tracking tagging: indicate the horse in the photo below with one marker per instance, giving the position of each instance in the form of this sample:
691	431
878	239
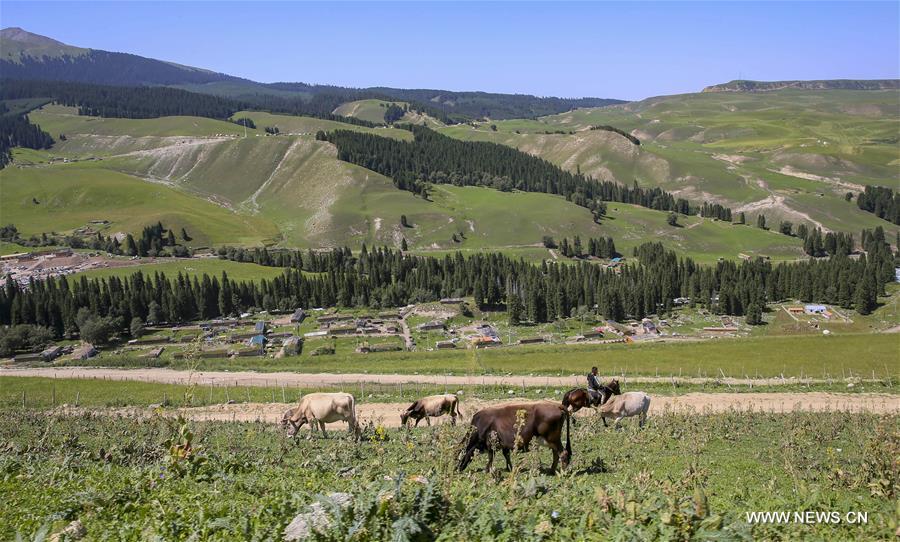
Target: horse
578	398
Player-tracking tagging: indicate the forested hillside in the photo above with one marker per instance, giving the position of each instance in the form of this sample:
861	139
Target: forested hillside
434	158
791	155
32	57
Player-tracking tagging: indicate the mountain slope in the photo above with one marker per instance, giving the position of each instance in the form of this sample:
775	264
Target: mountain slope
741	85
30	56
18	44
292	191
789	154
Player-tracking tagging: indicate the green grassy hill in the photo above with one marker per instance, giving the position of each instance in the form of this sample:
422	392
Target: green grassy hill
231	186
373	111
63	197
309	126
192	268
790	154
370	110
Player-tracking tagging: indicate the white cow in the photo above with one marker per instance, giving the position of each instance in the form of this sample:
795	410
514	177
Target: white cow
632	403
322	408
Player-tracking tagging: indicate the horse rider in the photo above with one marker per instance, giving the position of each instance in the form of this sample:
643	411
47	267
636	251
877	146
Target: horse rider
594	386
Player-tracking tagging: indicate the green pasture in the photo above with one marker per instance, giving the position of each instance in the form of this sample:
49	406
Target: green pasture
835	356
291	124
681	477
841	136
370	110
192	267
63	197
39	392
57	119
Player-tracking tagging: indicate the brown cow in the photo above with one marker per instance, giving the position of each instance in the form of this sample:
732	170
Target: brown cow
541	420
433	405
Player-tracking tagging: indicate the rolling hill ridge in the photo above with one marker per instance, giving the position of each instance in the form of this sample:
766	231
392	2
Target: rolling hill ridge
31	56
824	84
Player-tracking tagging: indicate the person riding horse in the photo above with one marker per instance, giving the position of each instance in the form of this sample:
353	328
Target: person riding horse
578	398
595	388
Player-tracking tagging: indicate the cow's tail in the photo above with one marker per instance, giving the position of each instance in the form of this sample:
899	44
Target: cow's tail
568	440
458	411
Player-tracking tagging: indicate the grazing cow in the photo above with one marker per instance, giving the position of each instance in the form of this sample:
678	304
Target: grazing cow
633	403
322	408
433	405
578	398
541	420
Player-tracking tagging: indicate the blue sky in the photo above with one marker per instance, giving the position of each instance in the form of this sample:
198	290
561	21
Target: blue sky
620	50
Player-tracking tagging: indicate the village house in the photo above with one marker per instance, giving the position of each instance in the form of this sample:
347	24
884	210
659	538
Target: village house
85	351
298	317
51	353
815	309
434	325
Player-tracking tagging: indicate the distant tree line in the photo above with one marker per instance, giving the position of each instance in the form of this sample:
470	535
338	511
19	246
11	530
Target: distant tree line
245	122
388	278
19	131
145	102
881	201
393	113
264	256
598	247
154	241
436	158
622	133
713	210
122	69
829	244
453	107
107	67
125	102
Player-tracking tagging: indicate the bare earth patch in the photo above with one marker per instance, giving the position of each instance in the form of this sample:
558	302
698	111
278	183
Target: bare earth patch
388	414
251	378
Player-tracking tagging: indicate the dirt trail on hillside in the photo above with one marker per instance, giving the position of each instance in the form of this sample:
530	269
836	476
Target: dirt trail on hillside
251	378
388	414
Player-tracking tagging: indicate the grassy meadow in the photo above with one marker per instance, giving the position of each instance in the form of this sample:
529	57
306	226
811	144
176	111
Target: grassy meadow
370	110
802	149
681	477
192	268
808	356
40	392
292	191
62	197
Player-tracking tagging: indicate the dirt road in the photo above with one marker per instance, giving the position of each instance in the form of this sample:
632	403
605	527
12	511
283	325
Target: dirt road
388	414
251	378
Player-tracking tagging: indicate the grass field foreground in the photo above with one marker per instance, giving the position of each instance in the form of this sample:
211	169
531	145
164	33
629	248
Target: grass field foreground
680	477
